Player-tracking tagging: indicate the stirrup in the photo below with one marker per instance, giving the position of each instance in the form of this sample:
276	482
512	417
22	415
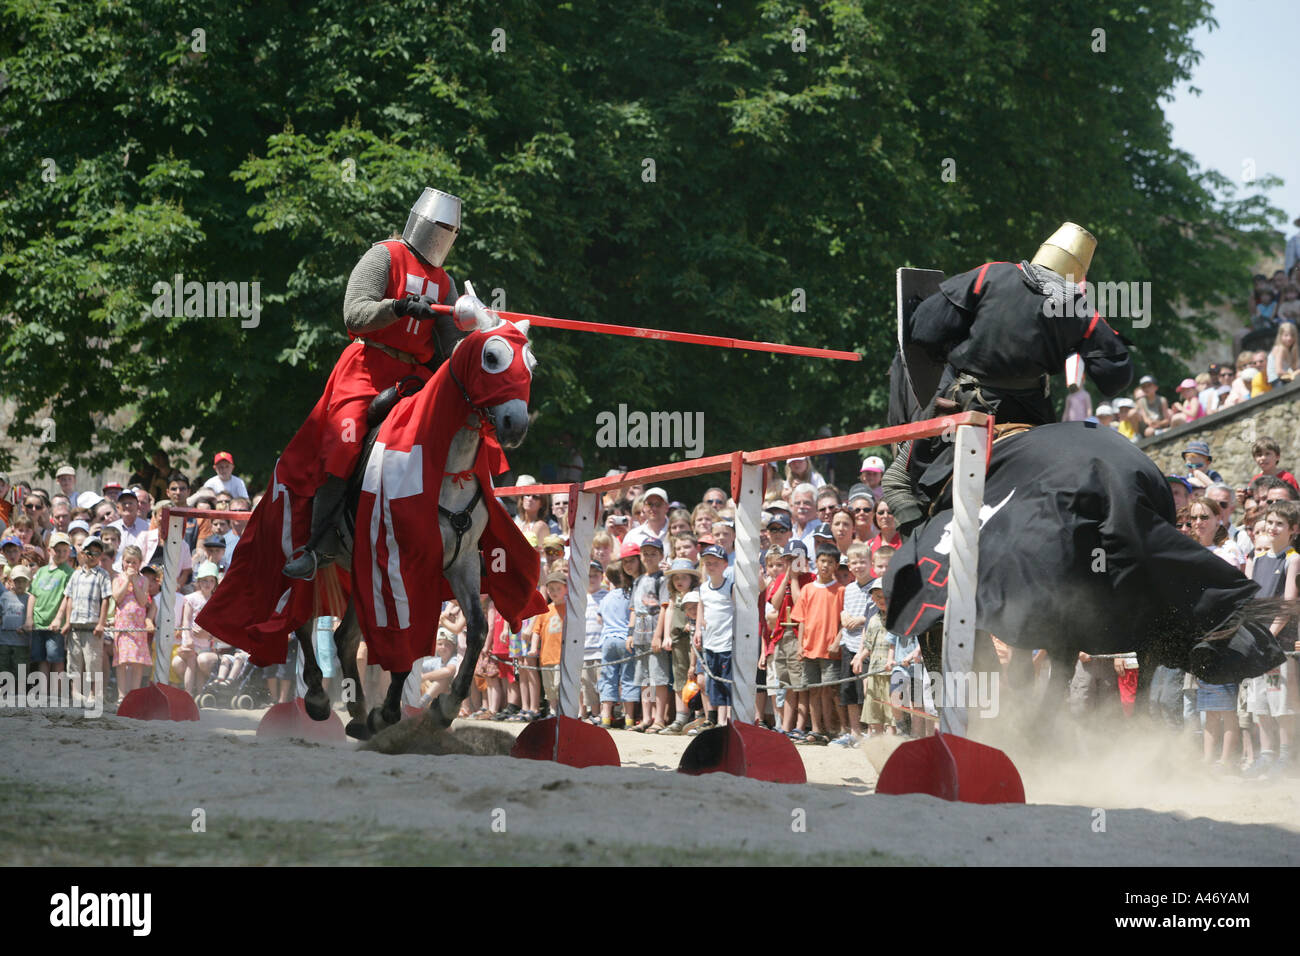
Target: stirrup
295	555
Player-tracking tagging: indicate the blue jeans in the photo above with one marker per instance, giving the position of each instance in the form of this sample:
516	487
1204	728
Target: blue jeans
616	677
48	647
1166	697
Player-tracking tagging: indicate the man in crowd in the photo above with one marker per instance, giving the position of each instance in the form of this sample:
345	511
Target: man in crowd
225	479
656	522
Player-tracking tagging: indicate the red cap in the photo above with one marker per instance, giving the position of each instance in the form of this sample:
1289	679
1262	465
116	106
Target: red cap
630	551
223	456
113	484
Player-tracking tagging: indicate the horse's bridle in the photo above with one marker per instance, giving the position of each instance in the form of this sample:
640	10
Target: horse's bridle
461	521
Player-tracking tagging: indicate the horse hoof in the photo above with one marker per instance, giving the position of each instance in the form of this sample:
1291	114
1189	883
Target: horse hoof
357	730
443	710
317	704
377	720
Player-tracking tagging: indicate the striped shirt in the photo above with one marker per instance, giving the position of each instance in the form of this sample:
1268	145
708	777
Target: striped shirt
856	601
88	591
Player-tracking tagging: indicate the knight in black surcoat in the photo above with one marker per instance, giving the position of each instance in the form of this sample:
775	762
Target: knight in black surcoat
999	332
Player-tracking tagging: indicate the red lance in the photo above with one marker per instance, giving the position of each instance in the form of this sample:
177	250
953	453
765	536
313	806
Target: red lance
692	338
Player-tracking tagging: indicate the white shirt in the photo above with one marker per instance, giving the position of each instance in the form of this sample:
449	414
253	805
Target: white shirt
642	531
719	615
131	535
235	485
147	542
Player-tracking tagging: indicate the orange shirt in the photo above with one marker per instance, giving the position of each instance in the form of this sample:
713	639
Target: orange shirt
818	609
550	627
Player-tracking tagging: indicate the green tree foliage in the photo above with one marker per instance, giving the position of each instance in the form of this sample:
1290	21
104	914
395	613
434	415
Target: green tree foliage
794	147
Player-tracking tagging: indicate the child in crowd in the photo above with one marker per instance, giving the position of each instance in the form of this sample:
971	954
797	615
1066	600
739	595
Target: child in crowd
16	622
596	592
548	628
818	612
653	669
84	614
715	632
877	645
131	638
1276	574
787	656
853	623
673	636
195	657
615	607
1267	453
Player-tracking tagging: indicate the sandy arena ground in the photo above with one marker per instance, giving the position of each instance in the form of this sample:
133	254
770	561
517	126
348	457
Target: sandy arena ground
118	791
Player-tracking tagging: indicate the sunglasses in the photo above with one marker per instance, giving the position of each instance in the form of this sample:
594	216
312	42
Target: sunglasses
864	511
716	502
826	508
1184	524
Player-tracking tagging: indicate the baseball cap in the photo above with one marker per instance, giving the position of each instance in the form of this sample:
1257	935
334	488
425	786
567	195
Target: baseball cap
12	539
89	500
207	570
552	542
1124	403
446	636
794	548
1178	479
651	492
844	560
214	541
873	463
652	542
823	530
557	577
20	571
1104	409
630	551
78	525
714	551
66	470
112	486
60	538
223	456
154	568
877	584
796	458
1187	383
92	542
1147	380
691	597
780	521
779	504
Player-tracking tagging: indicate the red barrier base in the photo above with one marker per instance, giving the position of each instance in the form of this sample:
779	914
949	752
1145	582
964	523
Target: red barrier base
158	702
746	751
290	720
952	768
567	741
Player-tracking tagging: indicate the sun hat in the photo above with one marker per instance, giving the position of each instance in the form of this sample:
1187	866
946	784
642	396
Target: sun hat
682	566
207	570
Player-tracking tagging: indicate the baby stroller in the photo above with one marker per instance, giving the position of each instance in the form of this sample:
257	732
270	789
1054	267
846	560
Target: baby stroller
245	690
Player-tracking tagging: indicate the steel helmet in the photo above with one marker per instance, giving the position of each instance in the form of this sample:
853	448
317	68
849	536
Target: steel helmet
433	225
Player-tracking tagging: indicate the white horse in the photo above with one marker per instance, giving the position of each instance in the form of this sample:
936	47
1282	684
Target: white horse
462	517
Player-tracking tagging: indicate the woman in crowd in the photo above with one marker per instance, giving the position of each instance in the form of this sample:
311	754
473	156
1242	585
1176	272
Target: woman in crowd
799	470
888	533
1200	520
533	512
1284	358
843	524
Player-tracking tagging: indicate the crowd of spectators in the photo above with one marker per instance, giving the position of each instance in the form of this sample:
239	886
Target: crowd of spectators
82	571
82	575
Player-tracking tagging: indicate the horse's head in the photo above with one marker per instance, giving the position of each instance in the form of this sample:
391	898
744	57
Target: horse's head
494	366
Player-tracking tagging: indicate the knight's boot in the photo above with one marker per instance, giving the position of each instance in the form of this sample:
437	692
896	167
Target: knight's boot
324	544
896	485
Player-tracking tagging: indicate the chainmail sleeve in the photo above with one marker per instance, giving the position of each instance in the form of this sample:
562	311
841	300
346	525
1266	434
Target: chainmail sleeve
364	307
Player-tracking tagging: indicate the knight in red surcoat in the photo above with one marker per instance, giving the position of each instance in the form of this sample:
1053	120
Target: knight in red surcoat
395	337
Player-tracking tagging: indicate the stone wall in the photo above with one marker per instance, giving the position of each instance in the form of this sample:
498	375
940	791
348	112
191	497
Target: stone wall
1232	432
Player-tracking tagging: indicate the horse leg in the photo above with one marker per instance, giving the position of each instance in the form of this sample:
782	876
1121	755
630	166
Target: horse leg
347	638
316	700
463	576
391	711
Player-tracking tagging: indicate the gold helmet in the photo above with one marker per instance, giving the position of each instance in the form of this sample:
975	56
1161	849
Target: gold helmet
1068	251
